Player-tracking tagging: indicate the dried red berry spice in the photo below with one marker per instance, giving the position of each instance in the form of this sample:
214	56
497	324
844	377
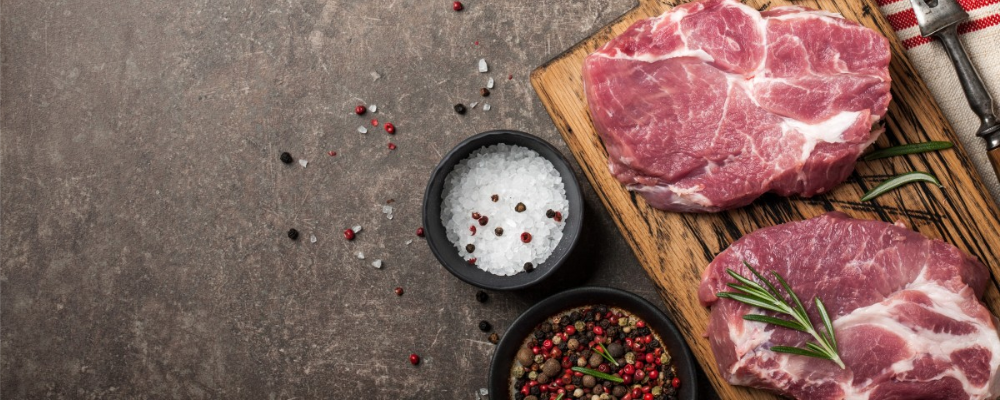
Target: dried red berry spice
392	146
509	77
526	237
558	216
476	216
374	122
420	231
472	261
390	128
349	234
399	291
676	382
484	220
472	228
332	153
457	6
414	359
360	110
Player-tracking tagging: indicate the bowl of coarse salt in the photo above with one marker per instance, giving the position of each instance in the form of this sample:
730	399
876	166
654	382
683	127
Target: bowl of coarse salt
502	210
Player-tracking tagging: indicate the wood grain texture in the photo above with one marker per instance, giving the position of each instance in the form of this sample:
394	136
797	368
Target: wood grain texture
674	248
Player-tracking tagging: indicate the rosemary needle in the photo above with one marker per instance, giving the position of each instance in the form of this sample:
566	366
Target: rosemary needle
598	374
913	148
900	180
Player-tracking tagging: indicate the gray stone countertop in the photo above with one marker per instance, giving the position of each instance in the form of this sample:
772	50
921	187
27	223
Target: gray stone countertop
144	209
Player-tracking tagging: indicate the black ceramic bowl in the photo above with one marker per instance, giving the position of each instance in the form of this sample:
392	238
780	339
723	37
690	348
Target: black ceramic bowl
445	251
673	342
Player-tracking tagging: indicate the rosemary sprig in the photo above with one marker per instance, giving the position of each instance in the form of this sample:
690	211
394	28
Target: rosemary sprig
913	148
606	355
560	396
598	374
768	298
900	180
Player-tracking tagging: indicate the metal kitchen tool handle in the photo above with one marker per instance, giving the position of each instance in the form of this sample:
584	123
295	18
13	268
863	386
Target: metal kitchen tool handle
975	91
940	18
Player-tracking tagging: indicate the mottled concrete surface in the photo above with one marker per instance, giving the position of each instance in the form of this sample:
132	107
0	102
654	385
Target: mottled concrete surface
144	209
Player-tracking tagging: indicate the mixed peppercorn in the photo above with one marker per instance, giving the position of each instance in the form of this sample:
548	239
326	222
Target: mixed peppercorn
594	352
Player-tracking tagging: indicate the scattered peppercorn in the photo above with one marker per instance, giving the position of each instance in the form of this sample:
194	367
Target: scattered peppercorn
399	291
549	213
498	231
484	326
484	220
676	382
390	128
495	198
481	296
414	359
349	234
558	216
332	153
286	158
460	109
457	6
494	338
374	122
420	231
293	234
360	110
476	215
520	207
484	92
470	247
472	261
528	267
526	237
472	228
392	146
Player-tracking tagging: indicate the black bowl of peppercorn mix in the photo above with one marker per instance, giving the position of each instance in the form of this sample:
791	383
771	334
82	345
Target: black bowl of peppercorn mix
445	251
501	379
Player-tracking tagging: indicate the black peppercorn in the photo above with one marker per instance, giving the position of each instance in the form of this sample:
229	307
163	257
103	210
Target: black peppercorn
519	207
481	296
484	92
602	309
293	234
498	231
495	198
528	267
286	158
470	247
494	338
484	220
550	213
460	108
539	335
484	326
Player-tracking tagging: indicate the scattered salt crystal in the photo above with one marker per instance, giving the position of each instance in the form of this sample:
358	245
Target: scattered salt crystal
473	104
482	65
361	255
409	241
312	238
356	228
489	83
375	76
387	210
486	106
304	162
377	264
373	108
362	129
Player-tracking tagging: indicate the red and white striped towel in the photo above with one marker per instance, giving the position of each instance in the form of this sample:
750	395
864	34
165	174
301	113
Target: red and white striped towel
981	36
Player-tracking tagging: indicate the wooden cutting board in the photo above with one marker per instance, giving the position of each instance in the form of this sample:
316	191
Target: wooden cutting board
675	248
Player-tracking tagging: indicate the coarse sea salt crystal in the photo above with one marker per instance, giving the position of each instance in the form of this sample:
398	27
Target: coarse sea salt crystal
375	76
373	108
486	107
303	162
377	264
473	104
356	228
361	255
362	129
409	241
516	175
489	83
312	238
482	65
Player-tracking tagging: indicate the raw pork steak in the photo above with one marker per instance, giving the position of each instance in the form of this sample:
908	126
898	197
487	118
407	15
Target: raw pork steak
905	312
713	104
